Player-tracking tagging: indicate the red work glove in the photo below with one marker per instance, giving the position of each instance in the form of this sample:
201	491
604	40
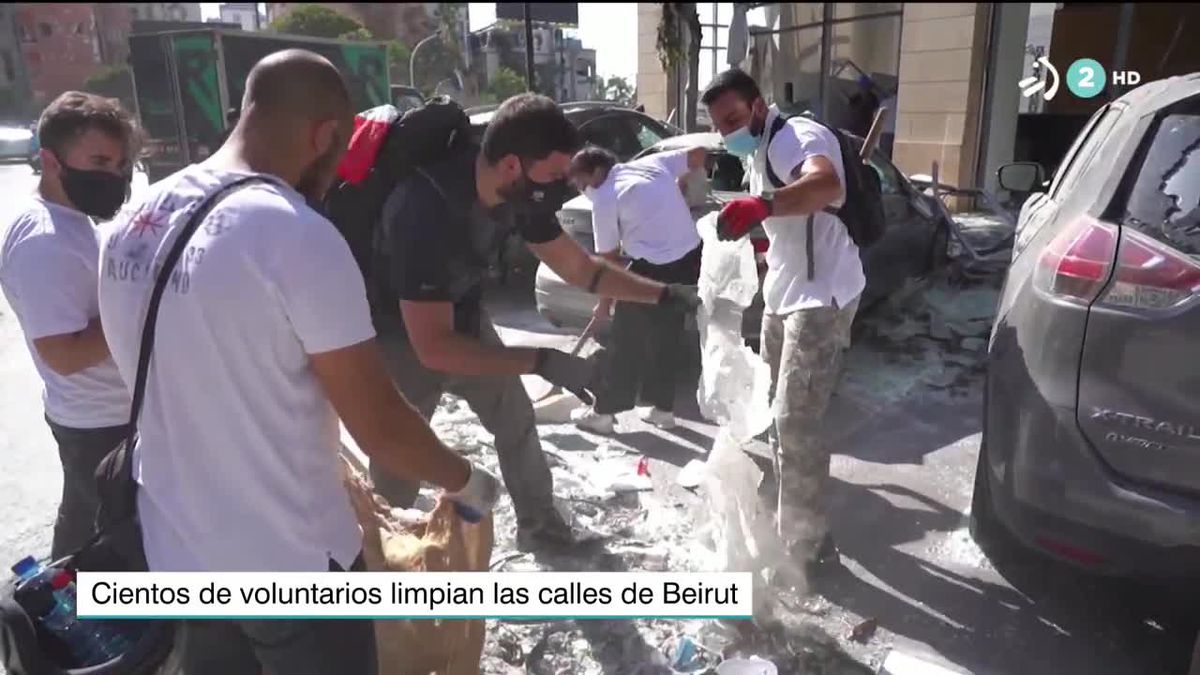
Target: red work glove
740	216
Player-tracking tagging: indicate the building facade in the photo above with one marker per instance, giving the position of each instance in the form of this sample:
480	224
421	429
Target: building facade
244	14
14	81
60	45
566	70
164	11
948	72
940	68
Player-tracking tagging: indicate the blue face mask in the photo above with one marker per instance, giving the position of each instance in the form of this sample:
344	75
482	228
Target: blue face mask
741	143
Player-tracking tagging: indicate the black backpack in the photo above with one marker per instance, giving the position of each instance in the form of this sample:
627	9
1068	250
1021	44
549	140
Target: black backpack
862	208
419	137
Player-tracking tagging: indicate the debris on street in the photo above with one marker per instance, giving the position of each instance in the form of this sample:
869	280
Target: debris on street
658	520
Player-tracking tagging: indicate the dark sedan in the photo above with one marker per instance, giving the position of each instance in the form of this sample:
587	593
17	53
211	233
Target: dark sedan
915	241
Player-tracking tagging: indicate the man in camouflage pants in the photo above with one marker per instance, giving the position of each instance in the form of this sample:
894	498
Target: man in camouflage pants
810	293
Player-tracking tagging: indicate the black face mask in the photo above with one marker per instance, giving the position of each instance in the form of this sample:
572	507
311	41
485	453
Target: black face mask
99	194
540	199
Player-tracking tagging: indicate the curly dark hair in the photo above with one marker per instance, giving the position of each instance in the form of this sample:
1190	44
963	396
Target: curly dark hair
73	113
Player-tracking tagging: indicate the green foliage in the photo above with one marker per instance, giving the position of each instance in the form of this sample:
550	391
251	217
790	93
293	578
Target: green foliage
357	35
505	83
316	21
679	23
399	55
619	90
113	82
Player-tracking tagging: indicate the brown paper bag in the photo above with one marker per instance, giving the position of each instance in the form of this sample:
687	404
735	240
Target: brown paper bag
442	542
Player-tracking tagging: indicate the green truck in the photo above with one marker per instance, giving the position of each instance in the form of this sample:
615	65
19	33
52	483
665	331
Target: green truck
184	81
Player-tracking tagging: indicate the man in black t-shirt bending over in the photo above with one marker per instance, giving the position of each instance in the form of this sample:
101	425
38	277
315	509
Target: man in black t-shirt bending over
439	229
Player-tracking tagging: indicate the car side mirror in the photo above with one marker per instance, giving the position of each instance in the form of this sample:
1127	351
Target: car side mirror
1021	177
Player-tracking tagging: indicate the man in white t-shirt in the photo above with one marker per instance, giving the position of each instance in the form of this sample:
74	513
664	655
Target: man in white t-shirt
638	207
48	253
264	340
810	293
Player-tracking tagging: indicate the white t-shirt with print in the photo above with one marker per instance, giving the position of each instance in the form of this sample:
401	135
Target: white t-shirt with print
641	209
48	259
838	273
237	460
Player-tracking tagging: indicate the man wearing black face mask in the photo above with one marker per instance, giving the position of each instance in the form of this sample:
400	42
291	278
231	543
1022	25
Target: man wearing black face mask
48	254
439	228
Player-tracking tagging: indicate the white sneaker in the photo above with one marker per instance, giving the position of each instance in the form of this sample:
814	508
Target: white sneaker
659	418
589	420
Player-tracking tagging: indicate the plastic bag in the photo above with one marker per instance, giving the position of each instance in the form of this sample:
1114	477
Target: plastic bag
734	381
734	388
438	541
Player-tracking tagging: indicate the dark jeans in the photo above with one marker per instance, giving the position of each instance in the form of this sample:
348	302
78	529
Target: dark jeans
280	646
504	410
80	451
645	348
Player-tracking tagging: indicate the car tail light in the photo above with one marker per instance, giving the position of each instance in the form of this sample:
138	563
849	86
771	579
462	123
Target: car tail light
1150	274
1077	263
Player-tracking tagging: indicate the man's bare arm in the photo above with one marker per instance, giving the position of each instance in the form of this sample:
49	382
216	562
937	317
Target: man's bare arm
70	353
571	262
603	308
816	186
381	421
695	160
430	328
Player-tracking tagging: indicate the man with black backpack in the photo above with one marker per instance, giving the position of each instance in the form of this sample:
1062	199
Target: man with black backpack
812	286
453	203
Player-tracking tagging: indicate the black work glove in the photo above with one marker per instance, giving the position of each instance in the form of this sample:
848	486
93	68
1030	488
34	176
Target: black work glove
572	373
679	296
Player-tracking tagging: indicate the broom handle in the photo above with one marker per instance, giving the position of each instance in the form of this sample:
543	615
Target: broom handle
873	135
587	332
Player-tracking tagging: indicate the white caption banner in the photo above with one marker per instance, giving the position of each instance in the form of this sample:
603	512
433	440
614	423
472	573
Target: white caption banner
466	595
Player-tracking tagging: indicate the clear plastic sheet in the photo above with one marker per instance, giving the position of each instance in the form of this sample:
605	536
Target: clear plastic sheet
734	394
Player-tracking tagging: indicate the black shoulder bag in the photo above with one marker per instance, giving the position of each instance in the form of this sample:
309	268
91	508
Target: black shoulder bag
117	544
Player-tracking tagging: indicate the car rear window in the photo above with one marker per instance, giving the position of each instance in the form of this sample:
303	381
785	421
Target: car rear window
1165	198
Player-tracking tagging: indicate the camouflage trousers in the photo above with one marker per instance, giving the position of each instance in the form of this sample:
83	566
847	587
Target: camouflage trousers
804	350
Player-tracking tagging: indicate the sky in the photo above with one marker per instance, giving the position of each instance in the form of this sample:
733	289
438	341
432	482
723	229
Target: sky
609	28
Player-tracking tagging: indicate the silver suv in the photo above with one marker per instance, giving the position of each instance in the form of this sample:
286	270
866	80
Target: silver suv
1091	431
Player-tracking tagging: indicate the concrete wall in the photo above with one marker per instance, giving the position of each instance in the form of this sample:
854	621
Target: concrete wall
655	89
1004	98
942	64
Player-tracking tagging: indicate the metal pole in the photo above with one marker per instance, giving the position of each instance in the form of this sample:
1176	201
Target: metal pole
826	58
412	58
1121	48
529	78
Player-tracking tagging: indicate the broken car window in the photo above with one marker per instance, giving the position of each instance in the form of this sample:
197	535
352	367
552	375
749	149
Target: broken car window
1165	200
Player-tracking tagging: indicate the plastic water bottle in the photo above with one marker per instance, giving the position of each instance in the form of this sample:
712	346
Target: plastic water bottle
33	590
97	642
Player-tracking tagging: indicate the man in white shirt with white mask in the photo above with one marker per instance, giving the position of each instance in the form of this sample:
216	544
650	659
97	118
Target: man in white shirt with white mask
638	207
811	291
